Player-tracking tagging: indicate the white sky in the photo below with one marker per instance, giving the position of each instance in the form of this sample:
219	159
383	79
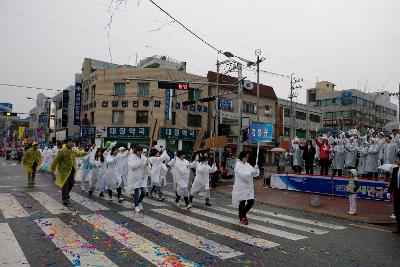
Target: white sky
353	43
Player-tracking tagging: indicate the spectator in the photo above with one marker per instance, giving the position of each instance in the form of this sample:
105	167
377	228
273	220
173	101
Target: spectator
353	188
394	192
324	149
308	156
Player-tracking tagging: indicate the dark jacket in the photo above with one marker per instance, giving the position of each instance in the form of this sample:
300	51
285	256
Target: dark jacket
393	189
308	153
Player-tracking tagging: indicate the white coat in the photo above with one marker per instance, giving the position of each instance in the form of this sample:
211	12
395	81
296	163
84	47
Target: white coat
339	152
84	169
373	158
388	153
351	155
201	181
181	170
243	188
123	165
362	163
156	168
173	172
297	155
137	174
114	170
97	178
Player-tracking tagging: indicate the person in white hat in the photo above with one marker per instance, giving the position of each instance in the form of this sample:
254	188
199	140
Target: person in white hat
353	188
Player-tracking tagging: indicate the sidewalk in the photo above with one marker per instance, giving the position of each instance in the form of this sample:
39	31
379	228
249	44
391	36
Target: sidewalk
369	211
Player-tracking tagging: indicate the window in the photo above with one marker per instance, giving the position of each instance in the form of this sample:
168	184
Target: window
92	117
86	94
315	118
194	120
119	89
300	133
59	105
286	131
249	108
301	115
142	116
93	91
330	115
143	89
194	94
312	96
118	117
345	114
328	102
287	112
173	119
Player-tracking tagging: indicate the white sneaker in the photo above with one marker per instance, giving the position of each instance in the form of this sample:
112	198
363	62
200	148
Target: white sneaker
137	209
110	199
189	207
177	204
83	189
393	216
141	206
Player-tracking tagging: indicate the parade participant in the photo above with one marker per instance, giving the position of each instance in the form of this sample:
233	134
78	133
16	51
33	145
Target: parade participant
394	192
137	165
201	181
181	171
373	158
388	151
156	160
396	137
324	149
331	139
308	156
338	157
351	155
123	164
381	137
66	171
114	172
353	188
362	163
84	170
31	160
243	188
297	156
98	174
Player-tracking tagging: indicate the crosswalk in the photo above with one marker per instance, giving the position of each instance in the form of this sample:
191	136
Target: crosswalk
213	232
8	163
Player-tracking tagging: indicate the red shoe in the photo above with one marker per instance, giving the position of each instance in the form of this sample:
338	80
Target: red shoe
247	220
244	221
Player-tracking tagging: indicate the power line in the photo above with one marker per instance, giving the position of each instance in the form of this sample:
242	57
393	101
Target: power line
30	87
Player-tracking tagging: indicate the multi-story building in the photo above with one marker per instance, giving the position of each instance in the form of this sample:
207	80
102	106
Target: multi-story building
65	124
162	62
39	122
229	114
306	121
346	109
124	103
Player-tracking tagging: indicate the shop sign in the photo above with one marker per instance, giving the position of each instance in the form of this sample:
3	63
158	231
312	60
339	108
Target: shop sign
78	102
260	132
128	132
179	134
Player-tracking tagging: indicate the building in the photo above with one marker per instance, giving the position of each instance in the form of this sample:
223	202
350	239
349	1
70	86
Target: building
39	123
16	132
117	108
229	114
346	109
64	111
162	62
307	120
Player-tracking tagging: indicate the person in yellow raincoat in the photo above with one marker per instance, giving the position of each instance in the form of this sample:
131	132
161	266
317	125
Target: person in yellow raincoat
31	160
67	169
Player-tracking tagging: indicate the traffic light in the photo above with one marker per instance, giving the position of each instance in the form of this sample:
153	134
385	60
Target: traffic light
173	85
189	102
207	99
10	114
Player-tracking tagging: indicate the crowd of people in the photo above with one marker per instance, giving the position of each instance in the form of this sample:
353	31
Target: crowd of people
115	167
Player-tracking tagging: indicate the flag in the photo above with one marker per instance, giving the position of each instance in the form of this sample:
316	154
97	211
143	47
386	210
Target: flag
21	132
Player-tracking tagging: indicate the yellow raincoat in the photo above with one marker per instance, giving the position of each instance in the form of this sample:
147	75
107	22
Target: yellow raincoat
66	160
31	156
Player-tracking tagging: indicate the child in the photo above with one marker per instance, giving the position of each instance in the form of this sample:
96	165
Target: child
353	188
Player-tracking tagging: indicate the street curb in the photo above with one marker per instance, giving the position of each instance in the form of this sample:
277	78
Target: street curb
346	217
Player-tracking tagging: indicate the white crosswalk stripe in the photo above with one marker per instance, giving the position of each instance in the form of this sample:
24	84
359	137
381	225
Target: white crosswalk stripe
10	207
87	203
193	240
157	255
275	222
78	251
11	254
257	227
297	219
49	203
148	200
242	237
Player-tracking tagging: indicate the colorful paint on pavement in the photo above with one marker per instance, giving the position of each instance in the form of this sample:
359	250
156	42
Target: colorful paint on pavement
49	203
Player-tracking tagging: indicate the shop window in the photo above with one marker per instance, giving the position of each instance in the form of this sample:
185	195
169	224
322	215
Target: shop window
193	120
142	116
143	89
119	89
118	117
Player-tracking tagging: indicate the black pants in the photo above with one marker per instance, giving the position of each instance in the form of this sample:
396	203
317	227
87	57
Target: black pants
178	197
324	163
119	192
297	169
372	175
245	207
309	167
338	171
34	167
67	187
156	189
396	200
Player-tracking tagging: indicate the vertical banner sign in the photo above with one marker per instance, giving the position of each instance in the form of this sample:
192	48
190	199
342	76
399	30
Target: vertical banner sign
168	111
260	132
77	106
281	123
21	132
64	117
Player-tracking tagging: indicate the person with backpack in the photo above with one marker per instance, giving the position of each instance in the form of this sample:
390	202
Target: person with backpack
353	187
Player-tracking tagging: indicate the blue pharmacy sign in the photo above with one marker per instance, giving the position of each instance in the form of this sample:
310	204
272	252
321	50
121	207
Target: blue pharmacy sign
346	98
260	132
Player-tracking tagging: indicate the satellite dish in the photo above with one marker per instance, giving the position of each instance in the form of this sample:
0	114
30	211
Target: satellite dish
248	85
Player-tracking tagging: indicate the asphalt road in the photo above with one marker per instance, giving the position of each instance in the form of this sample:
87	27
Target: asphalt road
35	230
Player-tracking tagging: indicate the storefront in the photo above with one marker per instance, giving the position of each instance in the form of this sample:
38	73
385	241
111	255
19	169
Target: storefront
177	139
133	135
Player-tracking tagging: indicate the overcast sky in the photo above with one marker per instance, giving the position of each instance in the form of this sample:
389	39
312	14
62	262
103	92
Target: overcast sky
353	43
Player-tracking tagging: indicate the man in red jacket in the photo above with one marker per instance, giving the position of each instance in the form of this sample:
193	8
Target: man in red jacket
324	150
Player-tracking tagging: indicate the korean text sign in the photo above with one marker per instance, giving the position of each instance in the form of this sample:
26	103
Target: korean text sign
260	132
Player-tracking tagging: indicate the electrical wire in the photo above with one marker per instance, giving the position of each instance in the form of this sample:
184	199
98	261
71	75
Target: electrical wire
30	87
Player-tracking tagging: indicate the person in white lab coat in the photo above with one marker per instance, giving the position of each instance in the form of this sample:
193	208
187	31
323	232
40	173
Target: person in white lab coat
297	156
362	163
123	164
99	169
351	154
373	158
339	157
243	188
137	180
156	160
181	174
84	171
201	181
114	172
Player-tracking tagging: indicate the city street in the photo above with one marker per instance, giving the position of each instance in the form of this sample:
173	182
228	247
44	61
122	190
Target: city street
37	230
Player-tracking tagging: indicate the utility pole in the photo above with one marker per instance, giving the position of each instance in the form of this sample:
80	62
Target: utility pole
217	115
294	84
398	112
240	91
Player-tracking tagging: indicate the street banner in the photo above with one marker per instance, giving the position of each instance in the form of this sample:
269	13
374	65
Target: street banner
21	132
260	132
215	142
375	190
78	103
